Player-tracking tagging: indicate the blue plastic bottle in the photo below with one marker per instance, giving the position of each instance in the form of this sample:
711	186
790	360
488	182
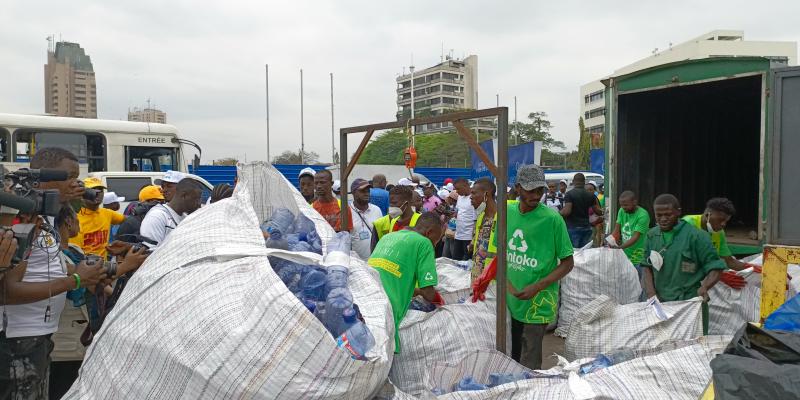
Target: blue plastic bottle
338	300
340	243
303	226
313	285
291	274
467	383
278	227
357	339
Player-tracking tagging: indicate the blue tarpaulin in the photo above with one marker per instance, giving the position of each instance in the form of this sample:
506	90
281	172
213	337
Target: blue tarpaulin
597	159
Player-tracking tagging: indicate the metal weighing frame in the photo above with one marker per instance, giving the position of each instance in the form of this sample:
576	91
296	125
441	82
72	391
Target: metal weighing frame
499	171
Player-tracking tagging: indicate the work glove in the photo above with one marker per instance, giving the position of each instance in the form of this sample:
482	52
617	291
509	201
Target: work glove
438	300
480	284
733	280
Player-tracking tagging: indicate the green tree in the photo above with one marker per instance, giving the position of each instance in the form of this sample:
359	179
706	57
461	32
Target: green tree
538	129
289	157
226	161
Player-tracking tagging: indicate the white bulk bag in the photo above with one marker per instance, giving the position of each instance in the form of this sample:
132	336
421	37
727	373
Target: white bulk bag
207	318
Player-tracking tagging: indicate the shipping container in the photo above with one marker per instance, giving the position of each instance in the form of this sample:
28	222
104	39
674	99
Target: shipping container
715	127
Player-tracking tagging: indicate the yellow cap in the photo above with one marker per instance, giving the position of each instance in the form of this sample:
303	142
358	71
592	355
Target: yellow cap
151	192
93	183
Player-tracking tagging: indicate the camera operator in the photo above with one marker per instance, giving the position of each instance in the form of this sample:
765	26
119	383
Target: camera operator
26	341
95	221
162	219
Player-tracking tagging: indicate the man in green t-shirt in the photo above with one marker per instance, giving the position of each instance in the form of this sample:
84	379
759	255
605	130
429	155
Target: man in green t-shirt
539	255
631	228
407	266
688	265
718	212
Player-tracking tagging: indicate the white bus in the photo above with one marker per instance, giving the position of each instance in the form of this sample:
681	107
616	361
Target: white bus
101	145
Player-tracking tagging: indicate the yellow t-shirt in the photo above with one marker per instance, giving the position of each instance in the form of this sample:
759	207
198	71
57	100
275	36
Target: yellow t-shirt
95	228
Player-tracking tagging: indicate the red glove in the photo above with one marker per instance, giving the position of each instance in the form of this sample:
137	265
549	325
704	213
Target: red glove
482	283
438	300
733	280
756	268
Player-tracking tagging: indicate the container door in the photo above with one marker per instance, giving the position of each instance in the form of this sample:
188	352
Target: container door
784	142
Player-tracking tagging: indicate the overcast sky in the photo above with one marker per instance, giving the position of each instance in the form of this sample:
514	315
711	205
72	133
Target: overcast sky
203	62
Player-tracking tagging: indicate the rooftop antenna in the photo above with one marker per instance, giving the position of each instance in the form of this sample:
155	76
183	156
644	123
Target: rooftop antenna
655	51
441	57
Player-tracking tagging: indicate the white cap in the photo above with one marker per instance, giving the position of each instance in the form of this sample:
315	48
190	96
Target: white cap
336	186
450	186
443	193
593	183
420	192
406	182
306	171
171	177
111	197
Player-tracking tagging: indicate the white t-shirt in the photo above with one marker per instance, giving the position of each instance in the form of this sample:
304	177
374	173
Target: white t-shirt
361	235
44	264
465	218
159	222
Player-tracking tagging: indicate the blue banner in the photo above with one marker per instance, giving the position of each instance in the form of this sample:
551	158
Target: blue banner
479	168
526	153
597	158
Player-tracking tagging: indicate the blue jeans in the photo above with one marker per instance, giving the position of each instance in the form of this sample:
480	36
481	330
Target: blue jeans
579	236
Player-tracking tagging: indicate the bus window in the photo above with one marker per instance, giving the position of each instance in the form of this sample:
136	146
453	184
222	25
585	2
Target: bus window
5	149
128	187
27	142
150	159
96	144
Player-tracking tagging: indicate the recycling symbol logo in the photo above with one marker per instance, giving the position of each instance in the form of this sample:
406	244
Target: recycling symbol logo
428	276
523	246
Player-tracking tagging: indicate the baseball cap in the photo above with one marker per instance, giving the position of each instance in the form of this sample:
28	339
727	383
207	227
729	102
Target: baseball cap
150	192
406	182
443	193
336	186
530	177
593	183
171	177
449	186
359	184
93	183
306	171
111	197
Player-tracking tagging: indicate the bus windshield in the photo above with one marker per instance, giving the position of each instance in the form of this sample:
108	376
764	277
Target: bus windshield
150	159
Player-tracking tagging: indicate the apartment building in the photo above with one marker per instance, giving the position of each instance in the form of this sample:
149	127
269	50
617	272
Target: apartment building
147	115
69	82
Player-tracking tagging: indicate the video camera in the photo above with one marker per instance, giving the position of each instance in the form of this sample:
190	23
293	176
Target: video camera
89	194
26	197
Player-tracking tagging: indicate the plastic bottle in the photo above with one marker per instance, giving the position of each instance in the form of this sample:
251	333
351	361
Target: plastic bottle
291	274
357	339
303	226
310	305
339	243
313	285
421	305
337	278
467	383
300	246
281	220
503	378
620	356
438	391
338	300
314	241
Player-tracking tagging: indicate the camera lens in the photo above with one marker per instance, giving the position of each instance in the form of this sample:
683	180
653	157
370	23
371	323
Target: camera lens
91	194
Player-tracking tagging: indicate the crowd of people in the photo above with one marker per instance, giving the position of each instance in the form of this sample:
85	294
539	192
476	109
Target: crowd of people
87	253
677	259
84	256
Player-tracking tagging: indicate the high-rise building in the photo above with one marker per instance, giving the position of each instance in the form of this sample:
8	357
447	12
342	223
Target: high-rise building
449	85
718	43
147	115
69	83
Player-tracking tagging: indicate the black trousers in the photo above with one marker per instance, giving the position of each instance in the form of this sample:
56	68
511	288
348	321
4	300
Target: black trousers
459	250
526	343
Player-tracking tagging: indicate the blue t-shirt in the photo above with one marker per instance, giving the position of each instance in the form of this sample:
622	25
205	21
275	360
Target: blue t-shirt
379	197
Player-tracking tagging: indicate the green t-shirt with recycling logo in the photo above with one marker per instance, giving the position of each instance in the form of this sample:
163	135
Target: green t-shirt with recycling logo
537	240
637	221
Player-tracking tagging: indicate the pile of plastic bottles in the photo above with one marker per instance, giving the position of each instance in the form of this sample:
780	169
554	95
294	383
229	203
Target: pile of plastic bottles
468	383
607	360
324	292
289	233
420	304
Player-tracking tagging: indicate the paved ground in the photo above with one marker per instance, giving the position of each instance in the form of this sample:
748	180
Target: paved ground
552	344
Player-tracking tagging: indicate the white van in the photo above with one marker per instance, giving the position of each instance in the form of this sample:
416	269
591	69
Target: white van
567	176
128	184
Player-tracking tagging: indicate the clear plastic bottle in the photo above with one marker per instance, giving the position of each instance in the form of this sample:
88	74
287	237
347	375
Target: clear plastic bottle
278	226
357	339
338	300
337	278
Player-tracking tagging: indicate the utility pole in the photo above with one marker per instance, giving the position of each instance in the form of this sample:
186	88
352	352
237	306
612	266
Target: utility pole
333	145
269	160
302	132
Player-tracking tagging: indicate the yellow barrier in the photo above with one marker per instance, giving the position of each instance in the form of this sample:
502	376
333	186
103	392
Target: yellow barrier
773	276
